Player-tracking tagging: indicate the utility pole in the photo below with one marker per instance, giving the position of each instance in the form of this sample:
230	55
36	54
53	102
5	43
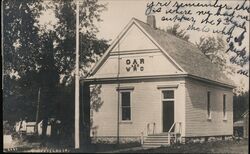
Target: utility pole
77	106
37	109
118	98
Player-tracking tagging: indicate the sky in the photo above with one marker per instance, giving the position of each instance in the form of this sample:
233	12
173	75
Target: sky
118	15
120	12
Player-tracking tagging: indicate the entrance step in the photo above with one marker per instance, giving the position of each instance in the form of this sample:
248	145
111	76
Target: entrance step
157	140
154	145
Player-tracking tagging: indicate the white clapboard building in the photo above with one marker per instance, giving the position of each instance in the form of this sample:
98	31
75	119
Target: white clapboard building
156	88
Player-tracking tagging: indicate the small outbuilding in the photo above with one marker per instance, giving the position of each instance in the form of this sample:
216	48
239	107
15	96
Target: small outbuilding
241	127
30	127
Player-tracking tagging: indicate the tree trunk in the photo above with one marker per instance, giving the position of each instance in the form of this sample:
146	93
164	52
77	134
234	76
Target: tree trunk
37	110
44	130
45	112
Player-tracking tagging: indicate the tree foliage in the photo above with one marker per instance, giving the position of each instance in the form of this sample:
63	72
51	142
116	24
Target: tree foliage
214	48
179	33
45	58
20	35
20	44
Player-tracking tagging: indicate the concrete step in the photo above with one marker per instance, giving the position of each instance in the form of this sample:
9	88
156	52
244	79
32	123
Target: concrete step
151	145
159	136
155	141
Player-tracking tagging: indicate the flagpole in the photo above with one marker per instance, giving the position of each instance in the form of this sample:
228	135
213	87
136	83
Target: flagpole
38	109
77	106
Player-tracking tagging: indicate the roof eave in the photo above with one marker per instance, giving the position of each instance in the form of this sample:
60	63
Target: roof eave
89	79
232	86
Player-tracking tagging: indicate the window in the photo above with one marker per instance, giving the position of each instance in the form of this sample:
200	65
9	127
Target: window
208	106
126	106
224	107
168	94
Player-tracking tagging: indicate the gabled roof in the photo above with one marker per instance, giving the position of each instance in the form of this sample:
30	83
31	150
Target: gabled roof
184	54
187	55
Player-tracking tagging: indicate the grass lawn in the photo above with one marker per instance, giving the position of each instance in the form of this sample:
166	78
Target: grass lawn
208	147
234	146
96	148
92	148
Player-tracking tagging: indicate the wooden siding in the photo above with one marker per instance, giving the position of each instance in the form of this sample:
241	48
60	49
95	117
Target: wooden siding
154	64
134	39
138	56
197	122
146	108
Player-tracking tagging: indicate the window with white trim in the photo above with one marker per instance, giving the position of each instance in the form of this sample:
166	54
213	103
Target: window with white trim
125	105
208	105
224	107
168	95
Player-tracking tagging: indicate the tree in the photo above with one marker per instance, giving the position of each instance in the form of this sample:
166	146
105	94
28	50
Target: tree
20	35
20	43
214	49
46	58
179	33
65	32
240	105
64	38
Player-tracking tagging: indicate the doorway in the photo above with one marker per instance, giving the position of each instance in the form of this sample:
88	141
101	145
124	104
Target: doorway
167	109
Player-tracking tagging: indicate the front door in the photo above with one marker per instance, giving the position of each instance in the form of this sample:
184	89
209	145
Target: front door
168	109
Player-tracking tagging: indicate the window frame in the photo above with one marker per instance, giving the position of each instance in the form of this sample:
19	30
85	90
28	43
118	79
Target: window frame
121	107
224	106
167	99
209	111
